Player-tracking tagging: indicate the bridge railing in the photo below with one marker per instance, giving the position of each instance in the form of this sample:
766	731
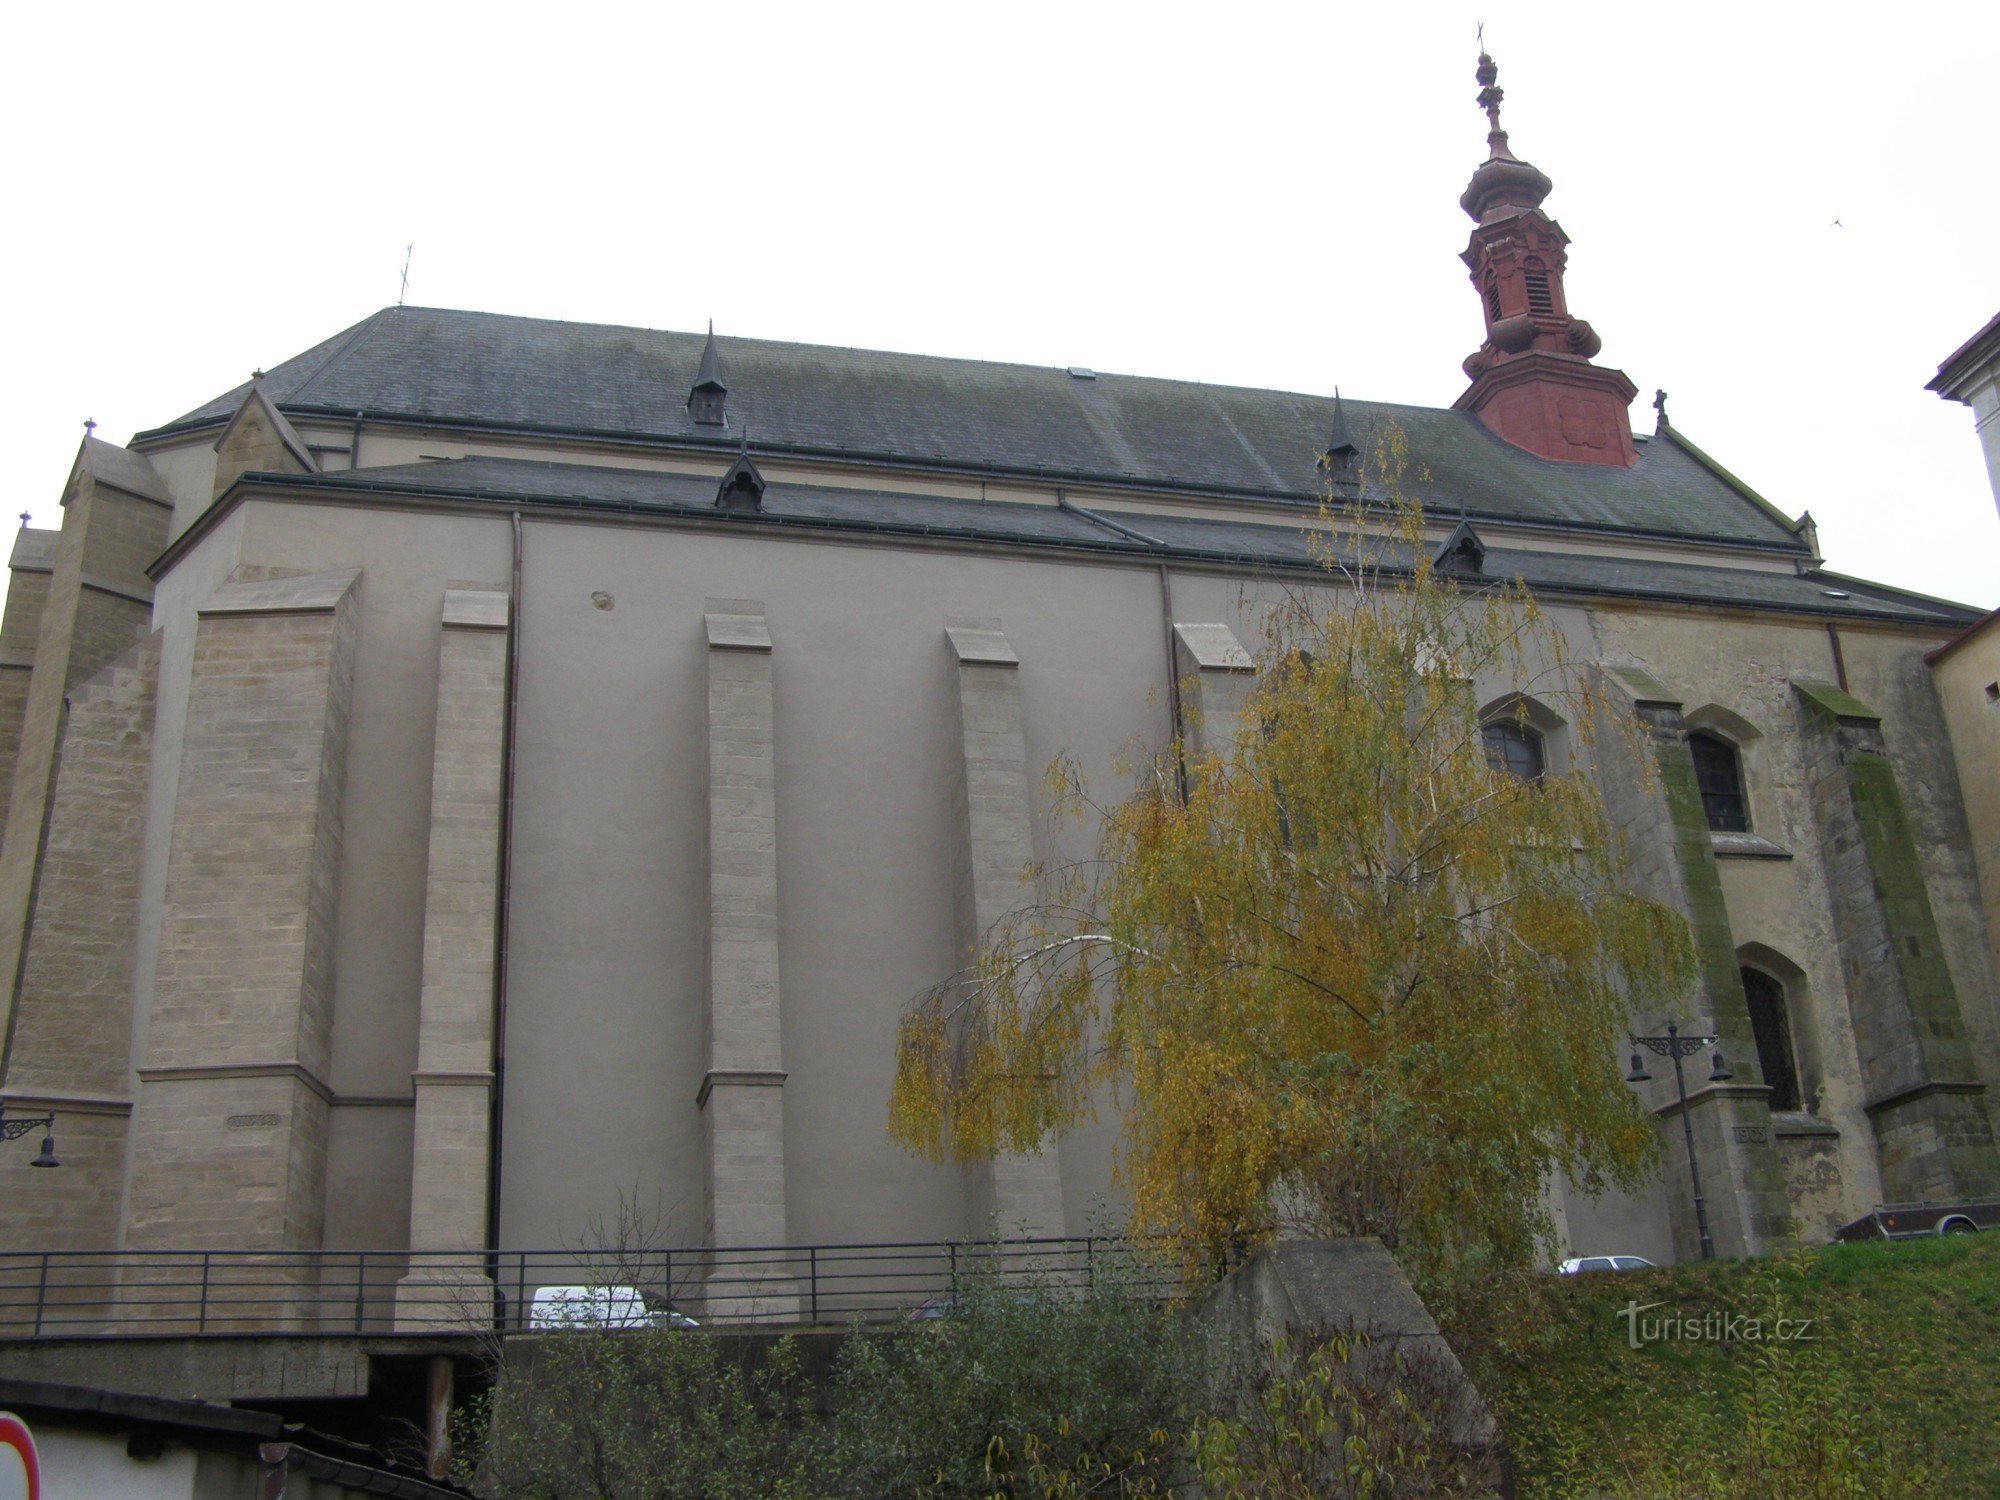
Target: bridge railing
70	1293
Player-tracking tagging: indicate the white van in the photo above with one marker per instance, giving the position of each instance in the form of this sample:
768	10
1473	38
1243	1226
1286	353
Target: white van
602	1307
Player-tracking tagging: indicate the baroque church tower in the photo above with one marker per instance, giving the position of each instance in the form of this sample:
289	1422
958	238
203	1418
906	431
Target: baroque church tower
1533	382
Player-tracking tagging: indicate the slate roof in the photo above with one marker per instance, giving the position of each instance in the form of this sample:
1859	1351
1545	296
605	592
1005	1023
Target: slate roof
124	469
1240	544
530	375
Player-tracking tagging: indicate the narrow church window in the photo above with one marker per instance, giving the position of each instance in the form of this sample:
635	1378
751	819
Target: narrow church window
1719	775
1492	300
1773	1035
1514	749
1541	296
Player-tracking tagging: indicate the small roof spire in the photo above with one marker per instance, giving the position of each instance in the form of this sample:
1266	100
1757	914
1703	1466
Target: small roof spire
1660	406
706	401
1340	445
710	373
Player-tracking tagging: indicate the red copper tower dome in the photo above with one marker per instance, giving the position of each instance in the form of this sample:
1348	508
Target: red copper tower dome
1532	380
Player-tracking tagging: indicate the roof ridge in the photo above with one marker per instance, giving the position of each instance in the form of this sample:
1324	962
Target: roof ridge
727	339
344	343
1673	434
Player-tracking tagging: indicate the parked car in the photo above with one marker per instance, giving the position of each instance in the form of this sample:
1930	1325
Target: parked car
1907	1221
1577	1265
603	1307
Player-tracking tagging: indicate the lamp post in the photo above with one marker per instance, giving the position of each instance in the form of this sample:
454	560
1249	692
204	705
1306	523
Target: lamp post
20	1125
1676	1046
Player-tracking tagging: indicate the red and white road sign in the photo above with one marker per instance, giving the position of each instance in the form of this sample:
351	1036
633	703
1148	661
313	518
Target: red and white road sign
20	1470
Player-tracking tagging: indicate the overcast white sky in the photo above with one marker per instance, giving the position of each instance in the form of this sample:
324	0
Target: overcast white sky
1784	214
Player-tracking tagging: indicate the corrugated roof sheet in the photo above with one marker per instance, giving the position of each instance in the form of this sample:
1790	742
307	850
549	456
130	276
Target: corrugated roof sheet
487	370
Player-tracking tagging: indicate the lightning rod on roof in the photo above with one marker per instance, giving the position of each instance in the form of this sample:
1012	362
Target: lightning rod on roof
404	290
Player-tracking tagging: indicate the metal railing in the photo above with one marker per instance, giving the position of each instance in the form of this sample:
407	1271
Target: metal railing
70	1293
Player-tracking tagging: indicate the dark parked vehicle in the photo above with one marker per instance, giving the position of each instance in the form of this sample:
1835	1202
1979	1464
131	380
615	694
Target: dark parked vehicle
1907	1221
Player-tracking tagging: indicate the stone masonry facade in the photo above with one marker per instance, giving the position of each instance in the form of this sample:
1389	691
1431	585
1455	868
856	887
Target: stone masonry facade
73	1022
1647	777
742	1097
231	1124
1933	1132
451	1153
1018	1193
98	602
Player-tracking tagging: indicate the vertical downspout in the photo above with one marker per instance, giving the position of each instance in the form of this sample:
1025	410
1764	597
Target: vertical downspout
1167	626
354	444
1839	660
507	716
1174	686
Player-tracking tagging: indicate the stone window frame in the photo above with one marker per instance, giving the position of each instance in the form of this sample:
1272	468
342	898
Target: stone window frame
1550	728
1796	992
1719	780
1759	810
1771	1030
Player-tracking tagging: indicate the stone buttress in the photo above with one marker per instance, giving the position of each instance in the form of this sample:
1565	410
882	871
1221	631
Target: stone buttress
1216	677
71	1050
742	1099
451	1154
1934	1137
1018	1193
30	569
1657	810
230	1128
96	602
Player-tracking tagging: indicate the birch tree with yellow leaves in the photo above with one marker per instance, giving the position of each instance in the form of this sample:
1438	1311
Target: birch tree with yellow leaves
1348	976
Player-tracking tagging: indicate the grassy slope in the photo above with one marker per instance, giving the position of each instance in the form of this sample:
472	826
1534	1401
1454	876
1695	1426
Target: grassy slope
1907	1358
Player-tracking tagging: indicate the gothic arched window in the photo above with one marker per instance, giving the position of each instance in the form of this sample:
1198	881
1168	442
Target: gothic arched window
1719	775
1514	748
1773	1033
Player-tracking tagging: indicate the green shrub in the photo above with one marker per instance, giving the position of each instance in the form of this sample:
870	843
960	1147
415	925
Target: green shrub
1333	1416
1041	1392
643	1414
1896	1391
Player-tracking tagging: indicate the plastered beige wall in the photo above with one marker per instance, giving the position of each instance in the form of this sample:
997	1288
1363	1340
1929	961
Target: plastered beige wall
1968	689
610	901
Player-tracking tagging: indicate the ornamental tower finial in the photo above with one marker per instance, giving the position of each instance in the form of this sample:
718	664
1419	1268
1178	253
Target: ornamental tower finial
1490	96
1532	380
1503	184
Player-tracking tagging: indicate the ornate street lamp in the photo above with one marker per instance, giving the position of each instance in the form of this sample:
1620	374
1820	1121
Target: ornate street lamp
1676	1046
20	1125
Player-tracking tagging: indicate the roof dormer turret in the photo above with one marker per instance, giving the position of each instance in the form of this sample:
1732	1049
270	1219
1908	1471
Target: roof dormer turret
710	395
